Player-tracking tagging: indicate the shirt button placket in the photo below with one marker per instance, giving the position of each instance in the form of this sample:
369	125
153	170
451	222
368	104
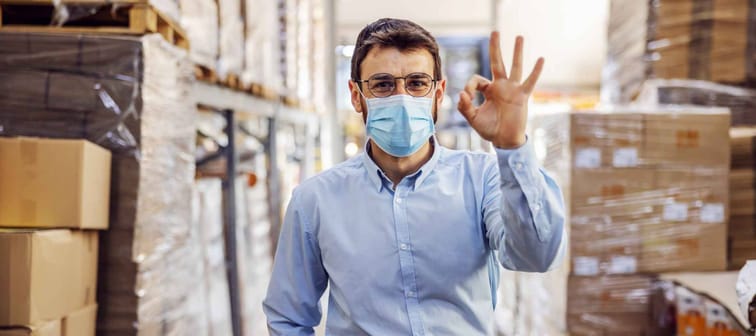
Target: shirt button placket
405	259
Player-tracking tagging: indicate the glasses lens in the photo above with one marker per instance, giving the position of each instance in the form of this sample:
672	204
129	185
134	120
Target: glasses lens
381	85
418	84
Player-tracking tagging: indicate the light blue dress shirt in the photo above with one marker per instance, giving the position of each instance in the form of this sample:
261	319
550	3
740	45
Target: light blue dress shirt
417	260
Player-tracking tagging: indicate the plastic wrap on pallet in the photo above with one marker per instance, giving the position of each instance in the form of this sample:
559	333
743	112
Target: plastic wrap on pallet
712	40
742	224
610	305
290	45
65	12
199	18
647	190
231	52
254	249
542	303
741	101
262	53
132	96
209	224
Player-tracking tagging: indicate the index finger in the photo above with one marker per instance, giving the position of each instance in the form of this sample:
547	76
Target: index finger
498	70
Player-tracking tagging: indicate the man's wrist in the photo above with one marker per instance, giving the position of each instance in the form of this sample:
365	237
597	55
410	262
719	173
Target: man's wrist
510	143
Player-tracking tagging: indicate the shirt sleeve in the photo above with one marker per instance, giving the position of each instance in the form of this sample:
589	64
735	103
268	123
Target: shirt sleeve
523	211
292	304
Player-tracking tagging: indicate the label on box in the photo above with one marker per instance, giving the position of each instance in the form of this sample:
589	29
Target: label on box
713	213
623	265
588	157
675	212
585	265
625	157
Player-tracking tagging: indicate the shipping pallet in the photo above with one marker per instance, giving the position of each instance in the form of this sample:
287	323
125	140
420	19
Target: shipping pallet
129	17
205	74
264	92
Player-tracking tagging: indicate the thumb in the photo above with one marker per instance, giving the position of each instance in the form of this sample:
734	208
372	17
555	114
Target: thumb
465	106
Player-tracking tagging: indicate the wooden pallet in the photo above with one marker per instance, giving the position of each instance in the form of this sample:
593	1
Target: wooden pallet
264	92
205	74
130	17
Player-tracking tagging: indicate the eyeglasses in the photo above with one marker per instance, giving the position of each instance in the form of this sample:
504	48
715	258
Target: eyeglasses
416	84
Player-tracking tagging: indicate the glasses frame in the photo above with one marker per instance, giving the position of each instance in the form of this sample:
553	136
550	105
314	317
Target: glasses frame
404	78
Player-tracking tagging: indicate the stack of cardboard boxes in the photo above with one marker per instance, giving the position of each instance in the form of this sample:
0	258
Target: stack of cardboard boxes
133	97
647	192
54	196
709	40
208	227
742	228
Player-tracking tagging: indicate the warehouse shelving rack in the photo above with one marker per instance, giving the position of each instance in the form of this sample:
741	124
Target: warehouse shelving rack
233	105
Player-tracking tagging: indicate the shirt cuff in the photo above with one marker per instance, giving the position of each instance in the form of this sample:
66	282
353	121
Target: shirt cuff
518	165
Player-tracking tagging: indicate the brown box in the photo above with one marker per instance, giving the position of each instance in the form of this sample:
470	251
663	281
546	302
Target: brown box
684	247
600	139
602	185
609	305
687	138
78	323
45	274
661	208
46	183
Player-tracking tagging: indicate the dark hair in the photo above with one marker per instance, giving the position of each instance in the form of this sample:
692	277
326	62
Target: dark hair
401	34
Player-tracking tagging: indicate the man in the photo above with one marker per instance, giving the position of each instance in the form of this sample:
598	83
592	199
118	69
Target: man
746	290
408	235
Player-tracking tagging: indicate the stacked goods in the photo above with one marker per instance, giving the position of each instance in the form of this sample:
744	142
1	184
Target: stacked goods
289	44
742	229
609	305
53	195
199	18
231	39
646	192
678	309
740	101
712	40
254	247
131	96
209	229
304	52
262	44
124	17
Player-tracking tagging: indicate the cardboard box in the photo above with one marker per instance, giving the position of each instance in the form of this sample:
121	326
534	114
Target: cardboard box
45	274
684	247
604	185
78	323
46	183
601	139
609	305
689	137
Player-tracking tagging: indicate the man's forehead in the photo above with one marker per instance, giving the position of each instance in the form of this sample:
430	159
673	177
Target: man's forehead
398	63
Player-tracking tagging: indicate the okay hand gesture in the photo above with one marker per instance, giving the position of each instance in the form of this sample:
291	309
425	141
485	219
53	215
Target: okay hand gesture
503	115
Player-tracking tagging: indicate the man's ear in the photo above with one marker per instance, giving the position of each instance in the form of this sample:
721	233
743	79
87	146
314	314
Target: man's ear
355	95
440	92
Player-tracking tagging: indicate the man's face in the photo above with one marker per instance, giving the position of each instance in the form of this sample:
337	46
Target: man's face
399	64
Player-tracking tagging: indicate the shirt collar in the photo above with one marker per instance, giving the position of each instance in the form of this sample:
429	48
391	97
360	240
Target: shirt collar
378	177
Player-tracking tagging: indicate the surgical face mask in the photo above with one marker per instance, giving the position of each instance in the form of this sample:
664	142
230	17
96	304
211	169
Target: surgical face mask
400	124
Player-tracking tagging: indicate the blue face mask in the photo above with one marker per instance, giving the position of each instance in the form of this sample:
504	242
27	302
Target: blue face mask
400	124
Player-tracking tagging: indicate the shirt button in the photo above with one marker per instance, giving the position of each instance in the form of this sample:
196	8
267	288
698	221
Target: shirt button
403	246
537	207
398	200
410	294
518	166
